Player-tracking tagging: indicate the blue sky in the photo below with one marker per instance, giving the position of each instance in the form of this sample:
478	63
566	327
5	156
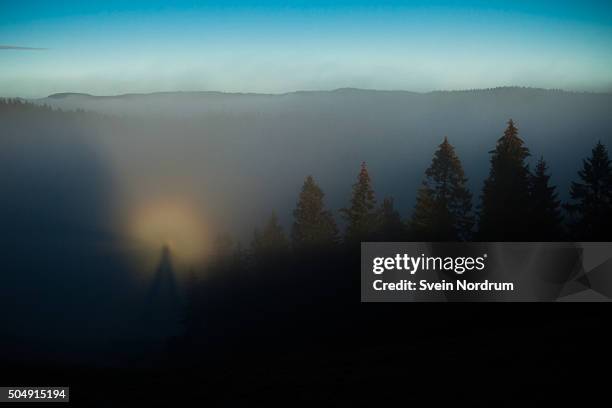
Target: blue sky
113	47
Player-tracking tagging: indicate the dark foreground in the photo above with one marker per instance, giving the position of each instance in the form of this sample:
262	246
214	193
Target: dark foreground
297	346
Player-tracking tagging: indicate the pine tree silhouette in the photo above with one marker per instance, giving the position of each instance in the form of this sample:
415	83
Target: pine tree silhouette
313	227
426	216
545	213
443	211
505	212
361	216
391	227
271	241
591	205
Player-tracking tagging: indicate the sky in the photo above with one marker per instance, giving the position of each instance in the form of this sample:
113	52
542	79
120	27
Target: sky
114	47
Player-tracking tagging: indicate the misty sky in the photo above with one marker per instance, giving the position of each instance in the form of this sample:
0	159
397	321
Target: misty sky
111	47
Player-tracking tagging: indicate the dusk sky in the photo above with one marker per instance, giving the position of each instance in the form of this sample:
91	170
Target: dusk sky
113	47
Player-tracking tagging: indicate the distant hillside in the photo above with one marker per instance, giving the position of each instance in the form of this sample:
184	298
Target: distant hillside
188	103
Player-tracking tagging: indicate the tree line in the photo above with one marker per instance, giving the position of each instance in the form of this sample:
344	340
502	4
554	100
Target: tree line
516	204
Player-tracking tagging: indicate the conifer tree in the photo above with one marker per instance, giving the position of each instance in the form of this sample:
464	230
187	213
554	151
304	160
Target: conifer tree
427	219
391	227
443	211
505	212
271	241
591	205
545	207
314	227
361	216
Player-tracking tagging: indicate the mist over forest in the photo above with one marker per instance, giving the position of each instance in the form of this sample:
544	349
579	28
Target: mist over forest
244	155
225	203
91	185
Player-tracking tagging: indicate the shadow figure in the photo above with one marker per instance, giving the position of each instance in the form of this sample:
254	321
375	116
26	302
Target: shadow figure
163	303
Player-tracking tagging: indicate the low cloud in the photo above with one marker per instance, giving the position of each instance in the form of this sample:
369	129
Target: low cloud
15	47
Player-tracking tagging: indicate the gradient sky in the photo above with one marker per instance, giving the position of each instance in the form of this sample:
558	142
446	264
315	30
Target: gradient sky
112	47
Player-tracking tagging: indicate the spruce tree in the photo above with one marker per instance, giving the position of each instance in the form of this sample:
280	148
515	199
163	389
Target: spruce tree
591	205
443	211
361	216
545	207
314	227
505	211
428	219
271	241
391	227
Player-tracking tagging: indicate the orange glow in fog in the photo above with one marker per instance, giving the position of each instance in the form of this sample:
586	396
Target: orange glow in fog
176	223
